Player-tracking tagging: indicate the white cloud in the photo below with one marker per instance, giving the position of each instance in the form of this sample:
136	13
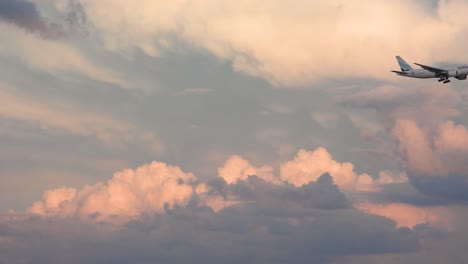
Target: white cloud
292	44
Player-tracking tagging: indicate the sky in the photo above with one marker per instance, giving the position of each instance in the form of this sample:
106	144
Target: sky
213	131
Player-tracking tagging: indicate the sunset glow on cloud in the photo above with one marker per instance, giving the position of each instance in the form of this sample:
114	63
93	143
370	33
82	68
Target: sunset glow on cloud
216	131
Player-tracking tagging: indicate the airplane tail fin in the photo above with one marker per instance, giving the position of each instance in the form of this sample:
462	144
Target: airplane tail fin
403	65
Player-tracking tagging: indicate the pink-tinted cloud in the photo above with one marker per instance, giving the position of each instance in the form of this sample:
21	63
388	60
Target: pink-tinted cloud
427	144
406	215
130	193
308	166
451	137
237	168
433	151
152	187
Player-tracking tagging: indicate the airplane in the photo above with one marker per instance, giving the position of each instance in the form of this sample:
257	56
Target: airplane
459	73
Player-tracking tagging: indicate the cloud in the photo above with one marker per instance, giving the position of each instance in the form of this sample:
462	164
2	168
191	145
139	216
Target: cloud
53	115
57	57
25	15
282	222
306	167
313	40
406	215
241	234
326	120
310	165
320	194
129	194
193	91
147	189
452	138
237	168
433	153
414	145
156	211
428	105
403	192
429	147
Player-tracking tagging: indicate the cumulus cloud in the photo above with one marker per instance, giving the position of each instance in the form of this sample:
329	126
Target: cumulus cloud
434	153
312	40
306	167
311	180
436	164
415	146
129	194
424	140
157	210
283	222
310	165
237	168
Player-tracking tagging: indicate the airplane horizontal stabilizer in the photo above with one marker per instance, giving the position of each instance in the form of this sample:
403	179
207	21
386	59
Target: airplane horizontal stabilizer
400	72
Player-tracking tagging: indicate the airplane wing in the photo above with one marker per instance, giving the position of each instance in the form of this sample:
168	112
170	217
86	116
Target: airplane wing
432	69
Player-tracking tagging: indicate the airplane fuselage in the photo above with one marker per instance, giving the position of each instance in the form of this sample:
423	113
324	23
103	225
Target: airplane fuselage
458	73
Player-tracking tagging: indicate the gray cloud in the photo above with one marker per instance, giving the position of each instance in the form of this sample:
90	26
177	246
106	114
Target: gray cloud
240	234
322	194
451	188
407	193
25	15
430	146
428	105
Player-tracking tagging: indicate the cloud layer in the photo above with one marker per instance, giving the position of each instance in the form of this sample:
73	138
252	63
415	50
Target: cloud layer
192	72
162	207
312	40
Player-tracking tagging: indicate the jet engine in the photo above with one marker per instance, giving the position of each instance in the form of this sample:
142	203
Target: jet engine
453	73
461	77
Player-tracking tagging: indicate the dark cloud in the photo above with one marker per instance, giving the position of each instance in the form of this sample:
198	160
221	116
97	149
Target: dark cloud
240	234
76	17
322	194
25	15
451	188
406	193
